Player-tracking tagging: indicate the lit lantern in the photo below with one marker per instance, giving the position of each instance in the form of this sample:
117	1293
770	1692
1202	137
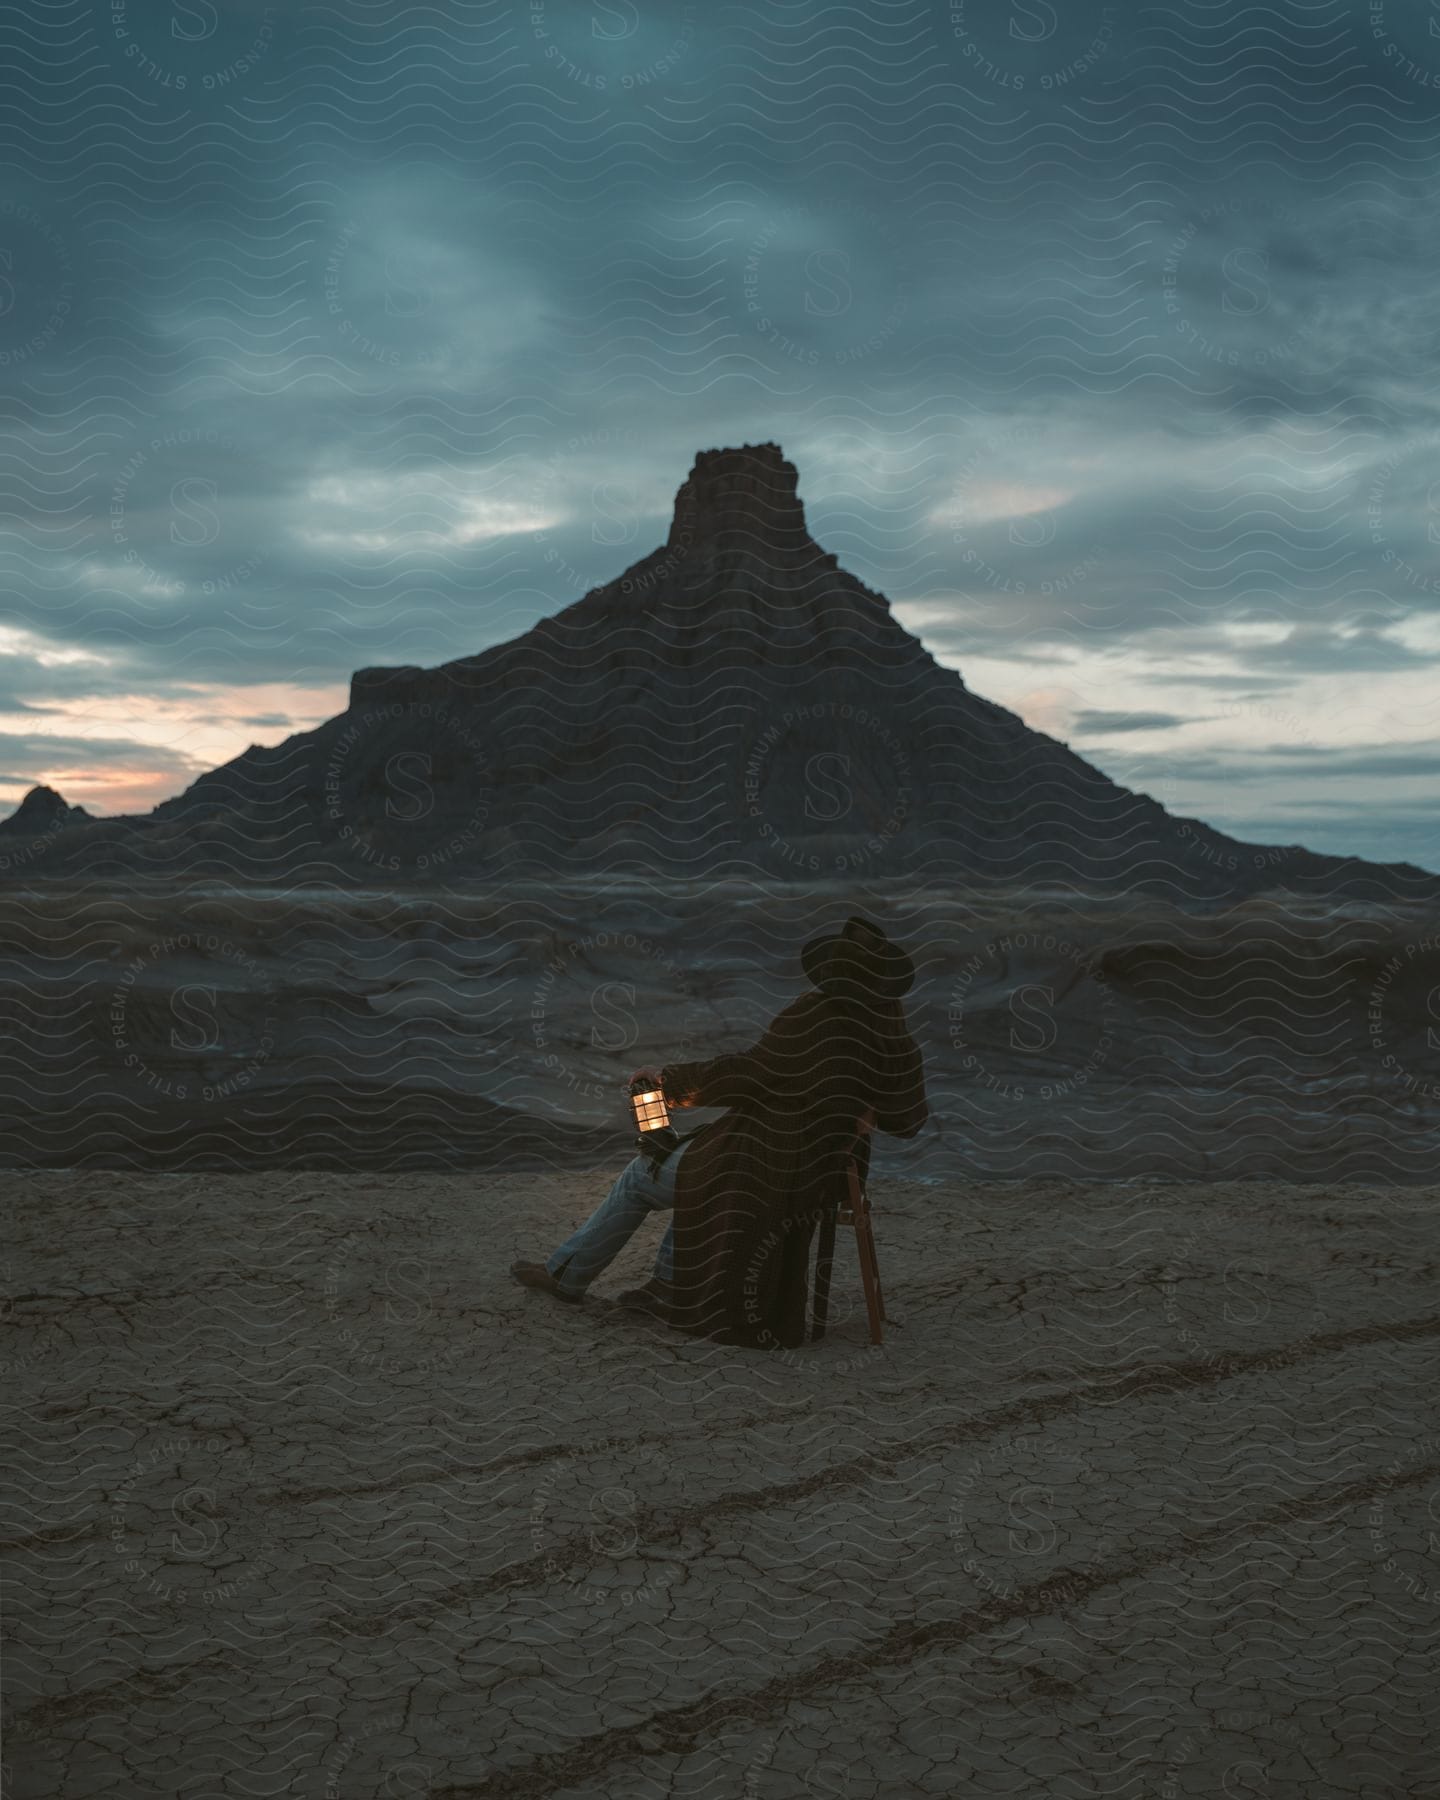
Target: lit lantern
657	1136
651	1112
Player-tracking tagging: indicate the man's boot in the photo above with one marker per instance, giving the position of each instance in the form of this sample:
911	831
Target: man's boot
536	1275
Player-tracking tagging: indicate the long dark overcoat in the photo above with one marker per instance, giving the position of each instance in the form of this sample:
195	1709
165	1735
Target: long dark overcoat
752	1185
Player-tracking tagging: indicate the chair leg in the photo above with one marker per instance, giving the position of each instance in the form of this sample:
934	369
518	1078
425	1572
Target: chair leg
824	1262
874	1262
870	1272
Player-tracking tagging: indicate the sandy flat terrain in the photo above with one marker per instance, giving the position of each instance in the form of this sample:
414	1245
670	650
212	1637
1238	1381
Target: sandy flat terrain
1142	1497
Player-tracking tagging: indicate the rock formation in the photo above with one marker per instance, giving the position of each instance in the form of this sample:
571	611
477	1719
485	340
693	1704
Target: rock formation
42	811
736	703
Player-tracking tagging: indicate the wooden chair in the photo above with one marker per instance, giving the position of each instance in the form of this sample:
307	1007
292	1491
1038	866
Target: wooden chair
857	1214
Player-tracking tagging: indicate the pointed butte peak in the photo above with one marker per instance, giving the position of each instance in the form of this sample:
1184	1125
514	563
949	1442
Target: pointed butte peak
743	496
41	809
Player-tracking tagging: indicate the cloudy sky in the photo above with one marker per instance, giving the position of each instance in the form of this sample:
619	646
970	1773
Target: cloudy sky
1103	336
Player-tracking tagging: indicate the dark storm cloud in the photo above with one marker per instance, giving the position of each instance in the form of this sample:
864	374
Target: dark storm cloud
1371	761
28	684
1108	724
22	759
119	672
1341	651
375	346
1252	685
1278	761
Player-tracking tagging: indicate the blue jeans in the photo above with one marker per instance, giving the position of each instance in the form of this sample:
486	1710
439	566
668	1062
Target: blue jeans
640	1190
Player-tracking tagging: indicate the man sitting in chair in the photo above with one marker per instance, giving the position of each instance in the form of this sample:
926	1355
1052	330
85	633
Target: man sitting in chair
749	1189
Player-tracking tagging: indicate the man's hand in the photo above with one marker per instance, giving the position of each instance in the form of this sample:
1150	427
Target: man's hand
650	1077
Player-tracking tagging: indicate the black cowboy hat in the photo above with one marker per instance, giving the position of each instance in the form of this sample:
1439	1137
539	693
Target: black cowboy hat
859	956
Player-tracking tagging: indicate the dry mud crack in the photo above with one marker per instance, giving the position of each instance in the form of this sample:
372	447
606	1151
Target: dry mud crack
900	1646
332	1508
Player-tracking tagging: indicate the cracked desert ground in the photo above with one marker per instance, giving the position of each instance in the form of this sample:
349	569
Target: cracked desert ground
1142	1497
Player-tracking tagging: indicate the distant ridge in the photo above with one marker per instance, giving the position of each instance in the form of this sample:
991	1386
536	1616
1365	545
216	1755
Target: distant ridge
733	703
41	811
